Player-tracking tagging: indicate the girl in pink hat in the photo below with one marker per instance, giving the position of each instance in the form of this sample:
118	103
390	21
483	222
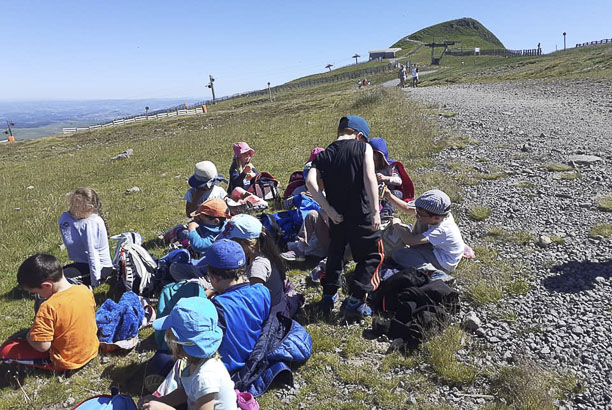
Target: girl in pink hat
241	171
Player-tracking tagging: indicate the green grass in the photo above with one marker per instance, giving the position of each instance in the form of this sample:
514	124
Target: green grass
601	229
441	353
569	175
605	204
480	213
526	185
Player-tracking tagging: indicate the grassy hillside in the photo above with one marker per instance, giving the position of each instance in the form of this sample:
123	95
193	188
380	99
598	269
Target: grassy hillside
466	31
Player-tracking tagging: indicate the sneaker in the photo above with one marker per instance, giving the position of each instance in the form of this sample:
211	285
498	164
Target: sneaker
326	305
353	308
293	256
315	274
443	276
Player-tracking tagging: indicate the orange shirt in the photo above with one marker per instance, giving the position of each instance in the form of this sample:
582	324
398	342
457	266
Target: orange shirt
68	320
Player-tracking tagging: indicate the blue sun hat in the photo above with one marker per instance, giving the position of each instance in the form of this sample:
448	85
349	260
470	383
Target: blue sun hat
205	175
380	145
194	322
242	226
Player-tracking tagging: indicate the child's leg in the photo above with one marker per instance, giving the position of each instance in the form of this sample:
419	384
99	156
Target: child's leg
330	279
19	351
78	273
417	257
367	249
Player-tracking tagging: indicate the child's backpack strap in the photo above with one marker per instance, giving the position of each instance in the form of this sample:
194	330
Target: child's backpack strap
407	187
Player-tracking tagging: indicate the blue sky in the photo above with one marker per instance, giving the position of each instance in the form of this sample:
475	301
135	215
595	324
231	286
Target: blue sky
152	49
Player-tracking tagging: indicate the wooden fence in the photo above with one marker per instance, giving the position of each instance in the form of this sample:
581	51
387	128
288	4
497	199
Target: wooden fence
595	43
130	120
496	52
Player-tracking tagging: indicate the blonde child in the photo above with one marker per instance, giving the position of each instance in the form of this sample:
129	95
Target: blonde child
85	235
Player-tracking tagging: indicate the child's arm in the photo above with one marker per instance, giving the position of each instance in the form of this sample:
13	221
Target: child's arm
167	402
206	402
409	238
398	203
40	346
371	187
315	188
198	243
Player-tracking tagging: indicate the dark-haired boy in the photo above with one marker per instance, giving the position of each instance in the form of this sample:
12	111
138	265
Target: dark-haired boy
64	333
346	170
242	307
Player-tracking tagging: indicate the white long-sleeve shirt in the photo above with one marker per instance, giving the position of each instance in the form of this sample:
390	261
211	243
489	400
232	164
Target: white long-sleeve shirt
86	241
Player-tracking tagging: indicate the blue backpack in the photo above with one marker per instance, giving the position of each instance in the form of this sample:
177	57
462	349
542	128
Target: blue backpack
113	401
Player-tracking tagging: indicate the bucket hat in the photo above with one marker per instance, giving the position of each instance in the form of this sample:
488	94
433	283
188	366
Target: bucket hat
194	322
215	207
242	226
205	175
242	147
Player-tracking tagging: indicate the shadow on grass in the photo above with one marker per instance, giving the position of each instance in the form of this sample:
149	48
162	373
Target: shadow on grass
574	276
129	378
16	293
147	345
154	243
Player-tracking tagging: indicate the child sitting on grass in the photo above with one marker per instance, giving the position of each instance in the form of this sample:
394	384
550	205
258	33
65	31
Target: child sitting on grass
435	243
241	171
242	308
64	333
204	186
208	222
193	334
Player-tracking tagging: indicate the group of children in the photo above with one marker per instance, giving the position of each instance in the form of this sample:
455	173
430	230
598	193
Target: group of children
355	183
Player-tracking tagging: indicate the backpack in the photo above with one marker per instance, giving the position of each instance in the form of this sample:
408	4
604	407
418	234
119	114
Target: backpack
134	264
170	295
265	186
296	180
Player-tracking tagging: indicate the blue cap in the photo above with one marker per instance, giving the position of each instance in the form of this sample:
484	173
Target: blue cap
242	226
225	254
380	145
355	122
194	323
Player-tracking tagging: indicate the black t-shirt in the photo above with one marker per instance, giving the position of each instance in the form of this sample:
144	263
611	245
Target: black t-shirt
341	167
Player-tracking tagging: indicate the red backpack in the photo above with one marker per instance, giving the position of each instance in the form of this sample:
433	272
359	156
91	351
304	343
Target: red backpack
407	187
296	180
265	186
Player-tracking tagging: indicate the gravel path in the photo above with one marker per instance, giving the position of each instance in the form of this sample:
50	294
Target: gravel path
565	321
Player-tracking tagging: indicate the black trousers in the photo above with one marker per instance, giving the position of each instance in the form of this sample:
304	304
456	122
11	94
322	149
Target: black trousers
367	249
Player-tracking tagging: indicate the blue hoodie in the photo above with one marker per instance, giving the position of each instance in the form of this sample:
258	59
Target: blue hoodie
203	236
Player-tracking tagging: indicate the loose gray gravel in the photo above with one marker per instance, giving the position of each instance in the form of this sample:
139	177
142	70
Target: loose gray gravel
565	321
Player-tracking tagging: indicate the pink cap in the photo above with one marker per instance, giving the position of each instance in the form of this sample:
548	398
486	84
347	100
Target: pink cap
242	147
314	153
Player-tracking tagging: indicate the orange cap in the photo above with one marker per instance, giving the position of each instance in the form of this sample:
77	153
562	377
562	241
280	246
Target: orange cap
215	207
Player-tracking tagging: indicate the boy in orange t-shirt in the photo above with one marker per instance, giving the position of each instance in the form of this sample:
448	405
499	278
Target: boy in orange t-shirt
64	333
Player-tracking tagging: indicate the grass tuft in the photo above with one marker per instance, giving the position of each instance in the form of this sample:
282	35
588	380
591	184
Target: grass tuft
480	213
601	229
441	355
605	204
557	167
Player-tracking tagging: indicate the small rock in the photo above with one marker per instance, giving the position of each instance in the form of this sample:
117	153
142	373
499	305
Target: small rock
62	247
105	360
132	190
124	155
30	187
545	350
544	241
584	159
600	279
17	209
471	322
164	175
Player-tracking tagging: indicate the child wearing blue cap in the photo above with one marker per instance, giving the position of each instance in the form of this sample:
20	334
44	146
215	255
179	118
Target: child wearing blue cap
193	334
346	170
242	308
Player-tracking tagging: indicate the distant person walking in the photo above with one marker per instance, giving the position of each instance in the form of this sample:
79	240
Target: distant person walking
415	76
402	76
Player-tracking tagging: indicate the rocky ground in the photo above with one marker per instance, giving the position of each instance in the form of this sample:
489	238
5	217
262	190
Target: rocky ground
565	321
